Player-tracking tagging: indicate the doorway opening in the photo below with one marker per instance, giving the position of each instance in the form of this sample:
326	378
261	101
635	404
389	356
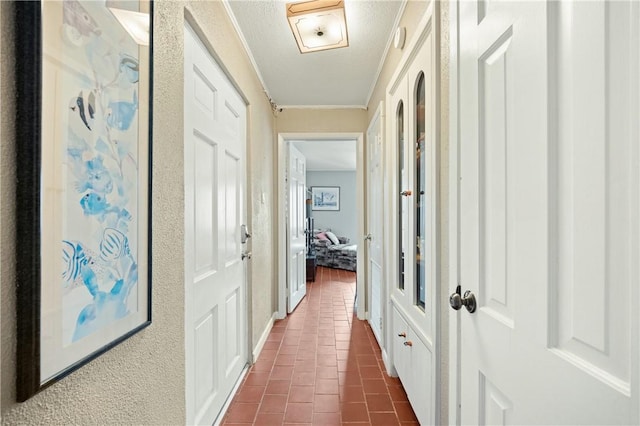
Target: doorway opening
325	215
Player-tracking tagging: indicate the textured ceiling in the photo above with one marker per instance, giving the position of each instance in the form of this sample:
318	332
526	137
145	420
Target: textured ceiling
338	77
329	155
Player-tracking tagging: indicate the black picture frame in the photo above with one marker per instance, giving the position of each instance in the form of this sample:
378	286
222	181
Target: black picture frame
126	252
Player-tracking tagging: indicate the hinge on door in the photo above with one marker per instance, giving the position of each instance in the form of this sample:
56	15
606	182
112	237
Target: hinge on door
380	323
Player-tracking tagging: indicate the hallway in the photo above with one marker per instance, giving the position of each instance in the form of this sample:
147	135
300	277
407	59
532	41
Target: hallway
321	366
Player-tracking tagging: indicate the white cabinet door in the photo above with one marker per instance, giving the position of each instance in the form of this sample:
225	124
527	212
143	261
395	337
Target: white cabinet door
214	155
297	259
549	168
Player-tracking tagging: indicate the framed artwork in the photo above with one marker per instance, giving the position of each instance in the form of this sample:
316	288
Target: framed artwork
83	124
325	198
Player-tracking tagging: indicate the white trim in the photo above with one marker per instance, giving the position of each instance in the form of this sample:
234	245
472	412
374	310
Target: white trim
283	138
383	58
263	338
243	41
364	107
454	217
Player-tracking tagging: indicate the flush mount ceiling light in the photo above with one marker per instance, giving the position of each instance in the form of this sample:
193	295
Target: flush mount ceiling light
318	24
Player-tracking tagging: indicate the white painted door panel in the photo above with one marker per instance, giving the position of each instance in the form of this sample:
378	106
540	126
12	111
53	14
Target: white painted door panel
297	238
215	329
374	223
549	166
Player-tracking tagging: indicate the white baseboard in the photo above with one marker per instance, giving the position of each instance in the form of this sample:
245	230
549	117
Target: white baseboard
391	371
263	337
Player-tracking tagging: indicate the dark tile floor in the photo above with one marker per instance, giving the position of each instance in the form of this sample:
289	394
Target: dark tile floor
321	366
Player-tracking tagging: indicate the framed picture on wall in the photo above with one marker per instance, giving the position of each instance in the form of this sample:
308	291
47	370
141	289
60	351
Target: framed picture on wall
83	124
325	198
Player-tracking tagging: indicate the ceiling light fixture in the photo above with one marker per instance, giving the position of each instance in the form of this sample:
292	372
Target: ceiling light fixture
318	24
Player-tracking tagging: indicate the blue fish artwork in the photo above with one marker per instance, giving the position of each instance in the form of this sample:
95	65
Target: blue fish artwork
129	68
95	176
97	139
94	204
120	114
73	259
114	245
84	107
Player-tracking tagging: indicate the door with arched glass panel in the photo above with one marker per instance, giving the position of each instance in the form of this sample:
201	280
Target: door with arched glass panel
414	313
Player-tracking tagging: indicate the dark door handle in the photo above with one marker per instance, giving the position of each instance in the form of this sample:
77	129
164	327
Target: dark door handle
468	300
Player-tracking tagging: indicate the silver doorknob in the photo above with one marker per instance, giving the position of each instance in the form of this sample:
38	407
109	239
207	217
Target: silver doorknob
468	301
245	255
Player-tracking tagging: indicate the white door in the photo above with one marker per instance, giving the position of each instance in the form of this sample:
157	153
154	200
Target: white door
549	212
214	155
374	223
297	238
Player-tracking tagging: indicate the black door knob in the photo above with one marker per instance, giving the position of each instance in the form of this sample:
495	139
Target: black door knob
457	301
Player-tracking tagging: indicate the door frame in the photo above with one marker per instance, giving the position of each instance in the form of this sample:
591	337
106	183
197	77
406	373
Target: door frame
380	116
281	212
454	215
190	24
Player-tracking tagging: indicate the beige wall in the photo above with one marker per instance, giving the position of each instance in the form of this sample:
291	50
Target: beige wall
412	15
142	380
322	120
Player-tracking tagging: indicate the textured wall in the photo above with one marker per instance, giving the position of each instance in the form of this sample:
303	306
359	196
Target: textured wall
322	120
413	13
343	222
142	380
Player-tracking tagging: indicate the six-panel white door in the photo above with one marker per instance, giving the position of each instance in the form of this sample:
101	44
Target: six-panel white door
549	213
297	238
215	311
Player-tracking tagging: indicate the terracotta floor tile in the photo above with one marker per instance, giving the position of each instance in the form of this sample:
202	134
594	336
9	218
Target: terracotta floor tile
327	360
286	359
257	379
321	366
326	404
250	394
299	412
379	403
326	372
351	394
366	372
301	393
241	412
326	419
404	411
374	386
327	386
277	387
273	404
354	412
269	419
287	350
281	372
384	419
304	378
397	393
